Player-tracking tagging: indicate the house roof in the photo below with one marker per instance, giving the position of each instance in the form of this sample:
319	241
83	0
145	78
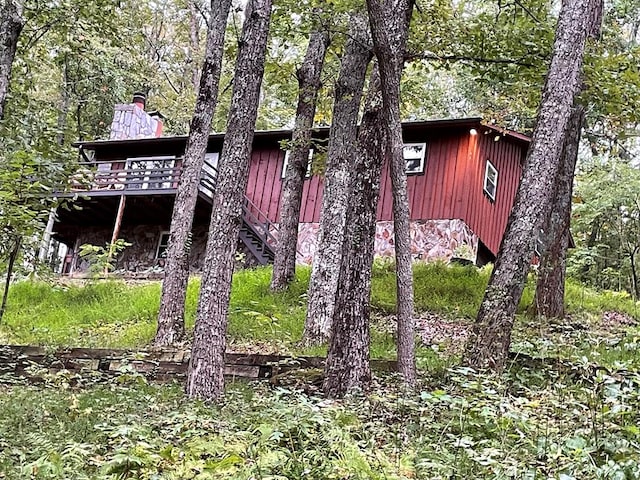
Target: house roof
469	122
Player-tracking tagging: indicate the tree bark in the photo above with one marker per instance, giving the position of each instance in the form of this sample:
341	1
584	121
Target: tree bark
337	183
174	287
488	345
390	28
284	265
13	255
65	102
11	23
549	298
634	273
194	39
347	365
206	369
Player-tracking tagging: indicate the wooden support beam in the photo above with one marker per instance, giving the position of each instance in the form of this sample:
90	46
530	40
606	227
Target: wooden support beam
118	224
116	232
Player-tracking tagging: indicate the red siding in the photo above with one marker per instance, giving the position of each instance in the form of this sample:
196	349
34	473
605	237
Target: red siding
265	184
451	186
489	219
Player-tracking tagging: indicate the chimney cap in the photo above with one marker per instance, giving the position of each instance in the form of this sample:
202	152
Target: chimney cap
140	97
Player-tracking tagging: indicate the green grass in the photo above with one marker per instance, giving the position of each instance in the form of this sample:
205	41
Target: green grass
115	314
540	420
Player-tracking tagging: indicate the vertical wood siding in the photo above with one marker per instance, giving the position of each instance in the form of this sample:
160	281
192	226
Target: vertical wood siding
450	187
486	218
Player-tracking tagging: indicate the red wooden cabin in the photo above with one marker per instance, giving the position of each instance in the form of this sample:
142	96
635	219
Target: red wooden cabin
462	178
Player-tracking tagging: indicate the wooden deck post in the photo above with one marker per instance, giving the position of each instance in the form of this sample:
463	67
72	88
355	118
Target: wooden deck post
116	231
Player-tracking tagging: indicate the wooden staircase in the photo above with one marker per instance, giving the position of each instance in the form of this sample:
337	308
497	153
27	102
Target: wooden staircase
256	231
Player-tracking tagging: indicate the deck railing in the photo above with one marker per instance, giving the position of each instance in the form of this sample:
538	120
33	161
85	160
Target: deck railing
256	218
134	174
155	174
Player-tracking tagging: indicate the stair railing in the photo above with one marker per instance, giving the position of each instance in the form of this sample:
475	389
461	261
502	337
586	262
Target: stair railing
253	216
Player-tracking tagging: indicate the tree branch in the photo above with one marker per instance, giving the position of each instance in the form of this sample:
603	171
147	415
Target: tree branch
409	57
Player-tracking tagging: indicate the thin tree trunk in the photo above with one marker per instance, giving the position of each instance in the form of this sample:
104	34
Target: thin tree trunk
549	298
390	28
206	369
11	23
65	101
488	345
174	287
194	38
284	265
634	273
347	365
338	182
12	260
45	244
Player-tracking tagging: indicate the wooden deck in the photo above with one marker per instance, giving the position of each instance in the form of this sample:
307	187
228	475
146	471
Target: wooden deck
144	176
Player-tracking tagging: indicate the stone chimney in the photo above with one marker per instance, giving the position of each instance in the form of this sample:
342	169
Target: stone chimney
131	121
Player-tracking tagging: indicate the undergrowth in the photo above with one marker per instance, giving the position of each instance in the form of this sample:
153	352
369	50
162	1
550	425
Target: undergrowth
564	422
567	408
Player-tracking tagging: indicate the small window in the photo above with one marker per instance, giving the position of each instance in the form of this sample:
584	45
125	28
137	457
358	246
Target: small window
209	173
490	181
285	164
414	154
163	244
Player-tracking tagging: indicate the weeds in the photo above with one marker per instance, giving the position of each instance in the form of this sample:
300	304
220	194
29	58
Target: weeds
530	423
115	314
544	418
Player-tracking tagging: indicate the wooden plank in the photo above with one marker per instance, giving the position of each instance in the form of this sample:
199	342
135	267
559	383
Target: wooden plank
163	365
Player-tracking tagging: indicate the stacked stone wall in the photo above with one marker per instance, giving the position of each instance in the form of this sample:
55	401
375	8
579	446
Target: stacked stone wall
430	240
131	121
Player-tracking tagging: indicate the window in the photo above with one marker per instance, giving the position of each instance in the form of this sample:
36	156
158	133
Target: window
209	173
414	154
285	164
490	181
150	173
163	244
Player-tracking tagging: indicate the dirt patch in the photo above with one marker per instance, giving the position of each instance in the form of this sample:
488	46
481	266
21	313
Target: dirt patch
432	329
616	322
449	335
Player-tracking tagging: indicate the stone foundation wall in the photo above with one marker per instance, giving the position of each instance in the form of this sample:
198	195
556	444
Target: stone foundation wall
430	240
141	255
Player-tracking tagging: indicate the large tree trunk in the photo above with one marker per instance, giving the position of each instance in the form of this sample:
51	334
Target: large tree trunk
206	368
338	182
176	277
11	23
390	28
284	265
347	364
488	345
549	298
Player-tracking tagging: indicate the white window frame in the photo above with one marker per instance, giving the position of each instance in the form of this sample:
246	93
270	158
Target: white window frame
490	168
420	156
160	245
285	164
212	158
